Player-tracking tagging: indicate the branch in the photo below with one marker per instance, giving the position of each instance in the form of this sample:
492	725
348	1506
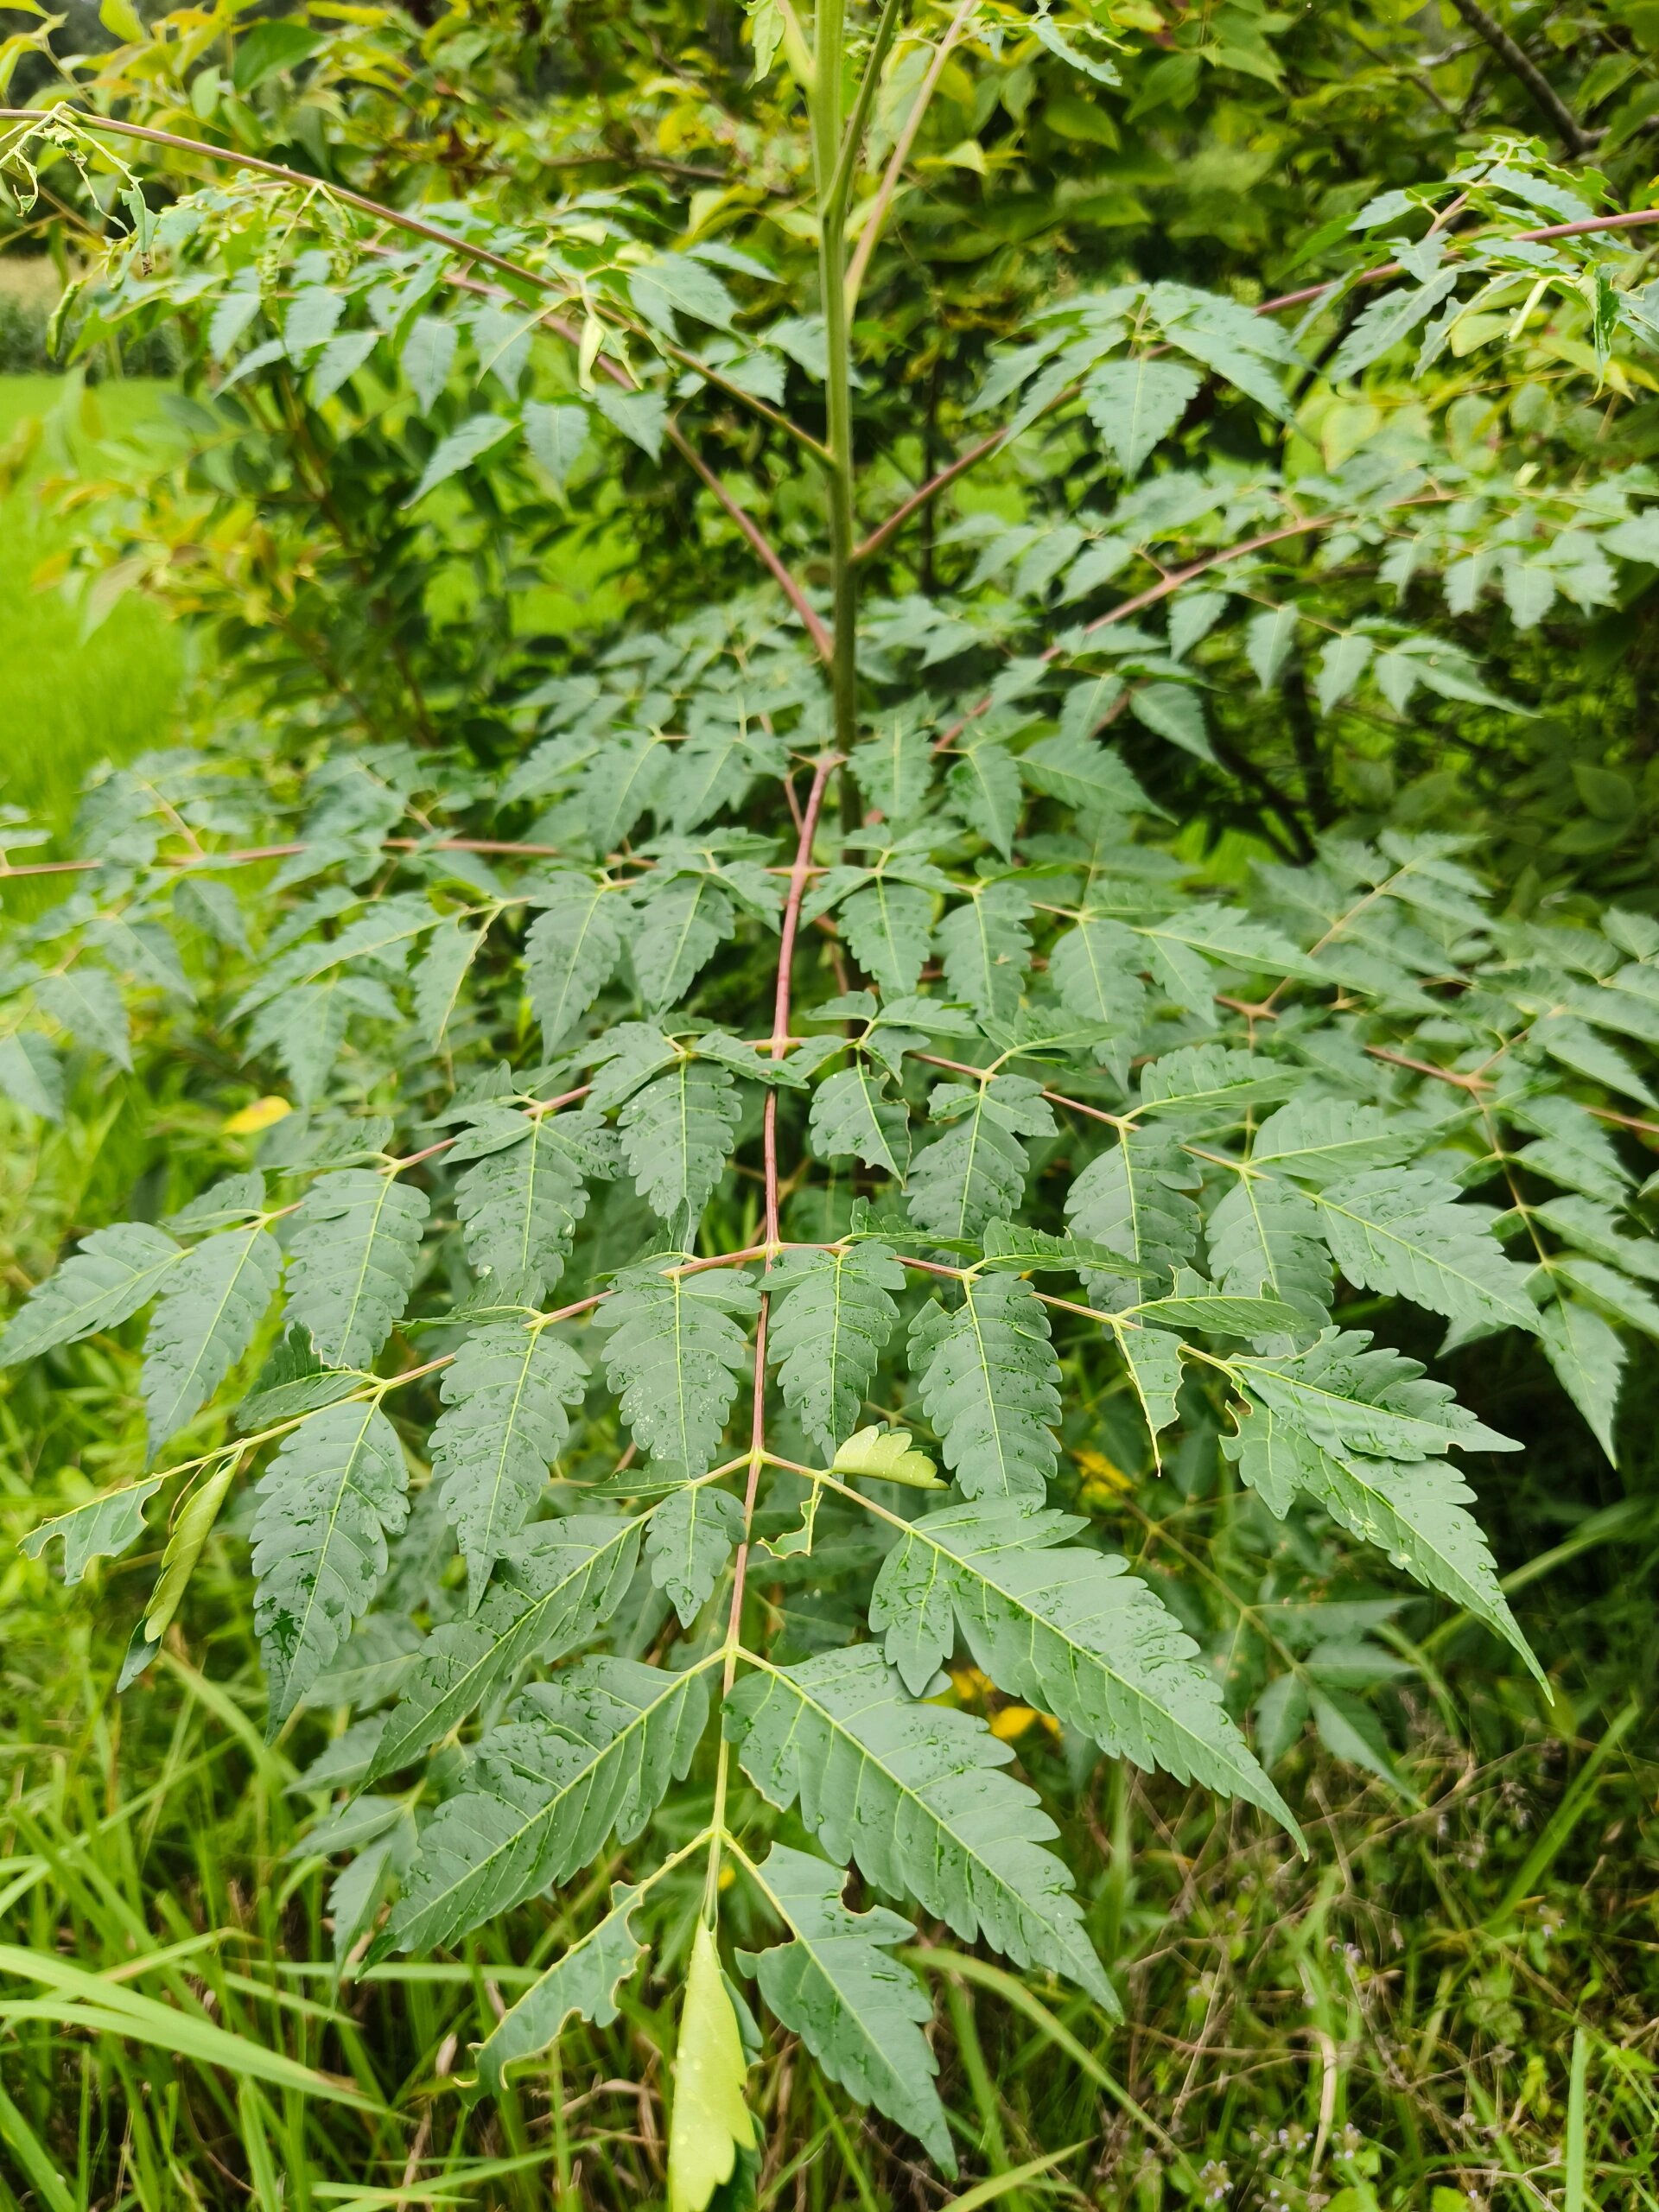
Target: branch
233	159
880	207
1577	140
772	559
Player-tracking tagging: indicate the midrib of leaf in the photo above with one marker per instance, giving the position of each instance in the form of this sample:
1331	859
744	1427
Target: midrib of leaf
987	1380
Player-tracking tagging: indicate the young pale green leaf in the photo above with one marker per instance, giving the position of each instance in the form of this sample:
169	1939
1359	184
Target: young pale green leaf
103	1528
204	1322
352	1261
335	1491
689	1541
584	1757
887	1455
191	1528
582	1983
990	1386
678	1134
857	2011
564	1580
674	1353
1068	1629
114	1272
709	2122
507	1393
916	1795
831	1315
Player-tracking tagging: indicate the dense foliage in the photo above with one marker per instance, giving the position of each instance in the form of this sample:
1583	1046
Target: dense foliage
767	1055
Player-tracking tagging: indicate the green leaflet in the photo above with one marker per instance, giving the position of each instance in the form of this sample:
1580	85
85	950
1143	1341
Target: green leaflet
895	769
709	2121
571	950
584	1756
888	929
682	921
975	1173
335	1491
1067	1628
519	1206
1153	1359
987	949
831	1316
1588	1357
1350	1398
114	1272
1132	1199
1134	403
1416	1510
352	1261
102	1528
1202	1082
204	1322
442	969
1321	1140
506	1423
852	1113
990	1385
1084	774
1095	968
677	1135
583	1982
1405	1232
984	783
916	1794
1264	1236
857	2011
689	1541
191	1529
674	1352
1183	946
565	1578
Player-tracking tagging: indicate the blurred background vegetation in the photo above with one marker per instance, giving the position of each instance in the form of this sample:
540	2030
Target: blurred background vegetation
1455	2005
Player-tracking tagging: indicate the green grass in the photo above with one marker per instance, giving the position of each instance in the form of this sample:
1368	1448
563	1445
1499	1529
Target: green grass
68	701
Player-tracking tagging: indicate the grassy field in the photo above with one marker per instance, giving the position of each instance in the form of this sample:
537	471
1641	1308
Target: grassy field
68	700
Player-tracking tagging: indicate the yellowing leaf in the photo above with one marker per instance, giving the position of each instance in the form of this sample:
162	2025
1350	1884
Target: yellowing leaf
1011	1721
710	2118
885	1454
263	1114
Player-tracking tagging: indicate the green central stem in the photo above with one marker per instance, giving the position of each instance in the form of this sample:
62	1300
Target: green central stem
833	176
